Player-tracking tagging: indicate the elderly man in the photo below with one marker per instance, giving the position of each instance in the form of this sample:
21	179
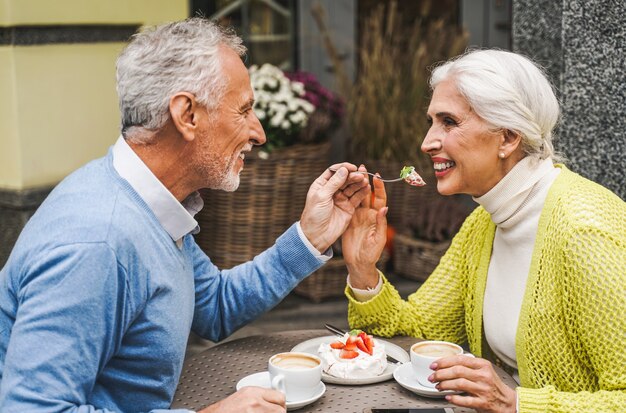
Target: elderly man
106	281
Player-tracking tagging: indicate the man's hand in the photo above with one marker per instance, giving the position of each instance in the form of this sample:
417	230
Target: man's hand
330	204
486	392
250	400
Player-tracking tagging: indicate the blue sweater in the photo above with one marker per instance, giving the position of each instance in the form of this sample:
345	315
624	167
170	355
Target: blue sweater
97	301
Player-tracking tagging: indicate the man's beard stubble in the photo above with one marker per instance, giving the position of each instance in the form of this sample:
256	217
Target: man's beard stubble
218	171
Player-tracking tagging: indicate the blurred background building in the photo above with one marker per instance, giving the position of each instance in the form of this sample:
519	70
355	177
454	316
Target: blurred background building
58	107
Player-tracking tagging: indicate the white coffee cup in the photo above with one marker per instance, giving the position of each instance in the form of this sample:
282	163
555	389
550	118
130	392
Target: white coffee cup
296	375
424	353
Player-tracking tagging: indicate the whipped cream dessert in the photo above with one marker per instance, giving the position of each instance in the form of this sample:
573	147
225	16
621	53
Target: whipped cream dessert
411	177
361	364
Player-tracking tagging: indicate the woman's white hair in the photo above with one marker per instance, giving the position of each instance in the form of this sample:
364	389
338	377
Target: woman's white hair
164	60
509	92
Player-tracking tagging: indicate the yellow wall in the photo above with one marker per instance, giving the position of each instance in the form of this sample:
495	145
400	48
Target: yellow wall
10	157
66	107
58	106
23	12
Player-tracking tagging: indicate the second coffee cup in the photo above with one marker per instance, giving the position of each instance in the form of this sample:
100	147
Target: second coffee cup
296	375
424	353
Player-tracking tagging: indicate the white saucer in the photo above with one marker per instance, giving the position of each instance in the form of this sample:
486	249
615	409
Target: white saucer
262	379
405	377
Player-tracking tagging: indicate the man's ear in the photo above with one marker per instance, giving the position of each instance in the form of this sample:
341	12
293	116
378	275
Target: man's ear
511	140
183	107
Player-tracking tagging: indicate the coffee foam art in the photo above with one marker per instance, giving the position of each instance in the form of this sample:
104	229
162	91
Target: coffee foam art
435	350
294	361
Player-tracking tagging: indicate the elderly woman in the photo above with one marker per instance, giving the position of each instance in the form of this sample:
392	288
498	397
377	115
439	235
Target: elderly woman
535	277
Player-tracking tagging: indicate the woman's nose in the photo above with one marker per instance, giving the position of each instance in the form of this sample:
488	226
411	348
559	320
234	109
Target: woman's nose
430	143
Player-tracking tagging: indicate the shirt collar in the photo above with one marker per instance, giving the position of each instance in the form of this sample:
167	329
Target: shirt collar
176	218
513	191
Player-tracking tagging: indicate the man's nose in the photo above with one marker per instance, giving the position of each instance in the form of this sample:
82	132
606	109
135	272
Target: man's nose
257	134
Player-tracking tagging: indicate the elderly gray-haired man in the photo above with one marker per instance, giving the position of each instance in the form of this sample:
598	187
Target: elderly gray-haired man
106	281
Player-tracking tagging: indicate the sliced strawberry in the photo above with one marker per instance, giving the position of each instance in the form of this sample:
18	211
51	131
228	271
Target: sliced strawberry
348	354
369	343
351	343
337	345
361	345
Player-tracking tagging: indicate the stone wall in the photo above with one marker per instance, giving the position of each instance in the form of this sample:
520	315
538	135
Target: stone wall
582	44
16	208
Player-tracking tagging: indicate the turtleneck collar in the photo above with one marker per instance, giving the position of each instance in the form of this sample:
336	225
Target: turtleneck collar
514	190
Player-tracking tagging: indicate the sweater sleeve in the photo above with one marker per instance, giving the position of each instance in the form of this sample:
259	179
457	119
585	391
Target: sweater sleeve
228	299
66	329
594	294
74	306
434	311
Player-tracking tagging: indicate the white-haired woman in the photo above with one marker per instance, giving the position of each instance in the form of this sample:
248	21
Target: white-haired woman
534	279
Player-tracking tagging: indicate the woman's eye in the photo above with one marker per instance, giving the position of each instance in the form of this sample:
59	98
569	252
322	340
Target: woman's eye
449	121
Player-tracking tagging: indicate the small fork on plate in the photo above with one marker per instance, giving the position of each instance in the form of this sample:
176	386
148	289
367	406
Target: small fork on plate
374	175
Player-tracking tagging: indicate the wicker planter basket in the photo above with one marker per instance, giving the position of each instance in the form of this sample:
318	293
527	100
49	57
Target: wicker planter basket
330	280
236	226
416	259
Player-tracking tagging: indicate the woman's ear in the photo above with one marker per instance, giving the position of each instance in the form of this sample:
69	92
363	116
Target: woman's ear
511	140
183	107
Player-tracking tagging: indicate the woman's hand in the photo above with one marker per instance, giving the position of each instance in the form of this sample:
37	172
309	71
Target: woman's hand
475	376
364	240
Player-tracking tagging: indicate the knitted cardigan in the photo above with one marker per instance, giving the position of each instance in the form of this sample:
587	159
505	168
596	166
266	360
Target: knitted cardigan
571	335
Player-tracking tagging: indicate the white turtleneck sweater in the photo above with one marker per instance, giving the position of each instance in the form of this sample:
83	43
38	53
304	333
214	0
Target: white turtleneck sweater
515	205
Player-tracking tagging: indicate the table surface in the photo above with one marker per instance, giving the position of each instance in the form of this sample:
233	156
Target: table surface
213	374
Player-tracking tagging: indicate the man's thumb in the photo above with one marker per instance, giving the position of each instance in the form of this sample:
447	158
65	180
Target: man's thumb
337	180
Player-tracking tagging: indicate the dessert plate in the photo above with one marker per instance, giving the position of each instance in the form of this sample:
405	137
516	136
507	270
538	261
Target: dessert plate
406	378
262	379
311	346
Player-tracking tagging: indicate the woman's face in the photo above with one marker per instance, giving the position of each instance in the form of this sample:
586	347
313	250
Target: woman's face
461	145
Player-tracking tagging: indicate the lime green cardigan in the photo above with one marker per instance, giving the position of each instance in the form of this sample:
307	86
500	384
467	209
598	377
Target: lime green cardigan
571	335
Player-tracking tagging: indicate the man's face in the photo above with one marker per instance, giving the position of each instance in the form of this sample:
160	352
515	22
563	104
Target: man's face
230	131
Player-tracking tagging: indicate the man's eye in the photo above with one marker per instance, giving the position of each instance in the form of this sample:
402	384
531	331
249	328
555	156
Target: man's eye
429	120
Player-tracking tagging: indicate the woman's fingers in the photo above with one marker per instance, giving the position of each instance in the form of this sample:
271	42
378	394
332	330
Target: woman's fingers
380	195
475	376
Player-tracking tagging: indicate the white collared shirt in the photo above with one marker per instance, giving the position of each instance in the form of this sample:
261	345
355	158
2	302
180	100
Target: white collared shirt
176	218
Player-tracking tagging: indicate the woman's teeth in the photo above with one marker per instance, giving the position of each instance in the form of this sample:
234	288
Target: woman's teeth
442	166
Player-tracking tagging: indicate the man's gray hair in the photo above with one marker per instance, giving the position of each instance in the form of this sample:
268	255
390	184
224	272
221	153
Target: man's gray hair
164	60
508	91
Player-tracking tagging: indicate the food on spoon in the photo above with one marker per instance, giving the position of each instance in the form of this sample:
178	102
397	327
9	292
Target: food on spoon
353	356
411	177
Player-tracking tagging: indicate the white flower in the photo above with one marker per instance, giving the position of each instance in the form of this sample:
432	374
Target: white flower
259	113
278	105
307	106
298	87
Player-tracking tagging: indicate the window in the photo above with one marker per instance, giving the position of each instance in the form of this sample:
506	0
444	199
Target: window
266	26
